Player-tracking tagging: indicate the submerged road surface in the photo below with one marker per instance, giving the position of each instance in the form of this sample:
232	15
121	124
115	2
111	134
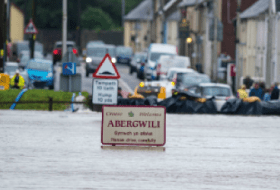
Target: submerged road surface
62	150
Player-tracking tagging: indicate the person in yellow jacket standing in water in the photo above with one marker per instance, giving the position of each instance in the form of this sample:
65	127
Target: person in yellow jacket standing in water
241	93
17	81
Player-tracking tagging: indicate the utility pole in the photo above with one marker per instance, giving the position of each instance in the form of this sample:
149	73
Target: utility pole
163	23
2	34
7	28
79	24
123	12
215	42
268	76
5	33
238	66
33	38
64	28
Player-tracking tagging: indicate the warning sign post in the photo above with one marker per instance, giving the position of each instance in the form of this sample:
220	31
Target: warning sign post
105	83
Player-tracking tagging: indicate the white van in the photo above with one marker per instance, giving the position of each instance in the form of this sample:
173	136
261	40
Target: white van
154	53
166	62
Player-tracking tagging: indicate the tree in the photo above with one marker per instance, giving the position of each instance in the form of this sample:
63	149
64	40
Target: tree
95	18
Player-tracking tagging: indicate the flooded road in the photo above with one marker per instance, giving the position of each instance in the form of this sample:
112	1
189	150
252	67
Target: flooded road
63	150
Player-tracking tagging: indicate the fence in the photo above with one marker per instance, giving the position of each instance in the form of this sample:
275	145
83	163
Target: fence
50	102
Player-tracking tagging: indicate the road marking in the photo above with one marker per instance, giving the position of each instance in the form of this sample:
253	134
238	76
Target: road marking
125	85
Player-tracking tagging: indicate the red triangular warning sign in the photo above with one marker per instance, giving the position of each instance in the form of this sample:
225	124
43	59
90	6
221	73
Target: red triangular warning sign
30	28
106	69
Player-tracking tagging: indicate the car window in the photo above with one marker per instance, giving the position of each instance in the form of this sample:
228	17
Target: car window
96	51
112	52
138	57
191	80
155	56
124	51
60	45
39	66
10	69
22	47
216	91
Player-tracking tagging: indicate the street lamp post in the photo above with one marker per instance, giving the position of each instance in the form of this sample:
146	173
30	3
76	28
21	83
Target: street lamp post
238	67
64	29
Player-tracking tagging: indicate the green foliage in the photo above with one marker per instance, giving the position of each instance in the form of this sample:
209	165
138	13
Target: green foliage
49	13
36	95
95	18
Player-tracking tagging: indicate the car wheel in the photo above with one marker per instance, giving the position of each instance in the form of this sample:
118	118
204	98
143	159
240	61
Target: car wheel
87	73
130	70
51	87
138	75
54	62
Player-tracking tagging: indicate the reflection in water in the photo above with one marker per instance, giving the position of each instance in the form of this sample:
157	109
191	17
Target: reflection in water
136	148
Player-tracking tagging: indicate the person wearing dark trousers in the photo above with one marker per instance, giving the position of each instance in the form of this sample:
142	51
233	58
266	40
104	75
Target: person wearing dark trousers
275	92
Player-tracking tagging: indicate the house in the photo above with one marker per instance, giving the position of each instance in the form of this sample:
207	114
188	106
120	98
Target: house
137	26
152	21
259	50
16	23
199	14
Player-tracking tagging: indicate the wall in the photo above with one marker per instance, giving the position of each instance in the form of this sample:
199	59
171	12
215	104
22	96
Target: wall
228	14
48	37
16	24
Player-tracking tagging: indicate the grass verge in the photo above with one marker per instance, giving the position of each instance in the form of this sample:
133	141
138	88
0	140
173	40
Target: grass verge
37	95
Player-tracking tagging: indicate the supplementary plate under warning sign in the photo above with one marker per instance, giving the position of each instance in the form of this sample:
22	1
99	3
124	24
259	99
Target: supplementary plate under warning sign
133	125
106	69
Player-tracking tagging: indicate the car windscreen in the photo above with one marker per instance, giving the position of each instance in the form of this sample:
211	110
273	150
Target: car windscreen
124	51
155	56
60	45
22	47
39	47
112	52
10	69
216	91
138	57
39	66
96	52
191	80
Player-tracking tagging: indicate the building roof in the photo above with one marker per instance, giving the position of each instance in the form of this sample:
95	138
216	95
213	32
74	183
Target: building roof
256	9
175	16
143	11
188	3
169	4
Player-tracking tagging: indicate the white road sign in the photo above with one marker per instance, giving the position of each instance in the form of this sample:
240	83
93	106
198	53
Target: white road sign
133	125
105	91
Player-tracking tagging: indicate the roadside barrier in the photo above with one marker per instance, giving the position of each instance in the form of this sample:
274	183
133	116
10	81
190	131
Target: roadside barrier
18	98
50	102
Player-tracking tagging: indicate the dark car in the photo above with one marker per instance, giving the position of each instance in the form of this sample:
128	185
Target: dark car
185	80
57	50
95	54
136	61
124	54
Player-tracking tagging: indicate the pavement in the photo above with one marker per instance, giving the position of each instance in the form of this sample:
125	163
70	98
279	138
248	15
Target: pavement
63	150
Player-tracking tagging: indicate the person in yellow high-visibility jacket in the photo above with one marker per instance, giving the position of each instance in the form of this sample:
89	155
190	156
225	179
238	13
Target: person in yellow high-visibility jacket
241	93
17	81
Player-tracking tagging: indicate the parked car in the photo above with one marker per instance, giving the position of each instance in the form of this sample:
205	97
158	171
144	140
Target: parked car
124	54
10	69
154	53
174	70
25	57
40	73
95	54
95	42
220	92
166	62
20	46
136	61
185	80
57	50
